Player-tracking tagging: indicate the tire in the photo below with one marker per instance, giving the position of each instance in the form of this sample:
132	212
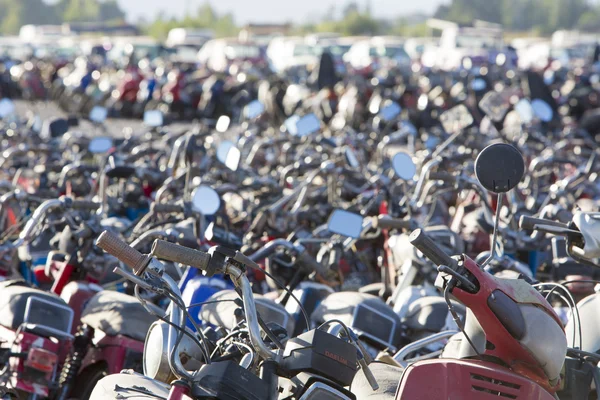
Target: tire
86	381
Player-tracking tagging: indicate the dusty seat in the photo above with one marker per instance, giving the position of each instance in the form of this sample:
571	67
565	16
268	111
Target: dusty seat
13	301
387	377
116	313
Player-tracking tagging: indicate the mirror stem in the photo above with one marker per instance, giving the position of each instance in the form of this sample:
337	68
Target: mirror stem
495	235
447	143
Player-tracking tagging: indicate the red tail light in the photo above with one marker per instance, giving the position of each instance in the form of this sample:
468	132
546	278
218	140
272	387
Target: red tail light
41	360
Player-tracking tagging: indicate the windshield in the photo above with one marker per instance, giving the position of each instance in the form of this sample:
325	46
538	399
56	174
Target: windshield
241	51
303	50
389	51
477	42
338	49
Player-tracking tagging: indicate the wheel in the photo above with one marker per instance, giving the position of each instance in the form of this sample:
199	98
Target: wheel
86	381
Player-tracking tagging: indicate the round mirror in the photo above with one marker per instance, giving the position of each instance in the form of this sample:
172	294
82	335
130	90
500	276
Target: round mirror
153	118
7	107
478	84
499	167
389	112
303	126
100	145
542	110
403	165
351	158
524	110
98	114
205	200
254	109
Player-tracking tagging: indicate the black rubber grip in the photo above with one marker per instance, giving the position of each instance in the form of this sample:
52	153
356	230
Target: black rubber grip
167	208
112	244
440	176
387	222
309	261
527	222
179	254
421	241
84	205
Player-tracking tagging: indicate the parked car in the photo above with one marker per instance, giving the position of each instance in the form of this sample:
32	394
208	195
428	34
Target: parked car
369	54
286	52
220	54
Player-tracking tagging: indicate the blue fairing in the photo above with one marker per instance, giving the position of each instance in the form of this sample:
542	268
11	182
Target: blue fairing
196	288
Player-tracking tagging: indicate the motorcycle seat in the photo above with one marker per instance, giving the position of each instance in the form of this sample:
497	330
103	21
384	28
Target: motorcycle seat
387	377
117	313
13	303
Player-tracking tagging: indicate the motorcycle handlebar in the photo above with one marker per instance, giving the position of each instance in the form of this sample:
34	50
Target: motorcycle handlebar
527	222
441	176
85	205
112	244
167	208
421	241
179	254
387	222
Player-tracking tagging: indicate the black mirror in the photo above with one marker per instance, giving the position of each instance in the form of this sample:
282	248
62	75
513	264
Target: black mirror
73	121
499	167
120	172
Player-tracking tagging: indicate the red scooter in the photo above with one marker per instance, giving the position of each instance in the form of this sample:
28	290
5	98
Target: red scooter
59	347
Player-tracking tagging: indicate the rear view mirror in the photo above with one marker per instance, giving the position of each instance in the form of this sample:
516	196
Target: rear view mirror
153	118
98	114
456	119
478	84
389	112
499	167
345	223
494	106
254	109
525	111
351	158
100	145
403	166
229	154
303	126
542	110
205	200
7	107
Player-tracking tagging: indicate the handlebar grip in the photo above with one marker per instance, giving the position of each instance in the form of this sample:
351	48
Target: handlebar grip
85	205
421	241
112	244
527	222
387	222
180	254
309	261
441	176
167	208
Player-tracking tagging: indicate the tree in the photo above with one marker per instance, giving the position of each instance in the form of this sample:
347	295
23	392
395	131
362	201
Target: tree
81	11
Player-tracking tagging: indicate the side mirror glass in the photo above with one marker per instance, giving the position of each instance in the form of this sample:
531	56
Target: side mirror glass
98	114
223	123
153	118
525	111
499	167
456	119
542	110
389	112
303	126
478	84
254	109
351	158
7	107
205	200
494	106
345	223
100	145
229	154
403	166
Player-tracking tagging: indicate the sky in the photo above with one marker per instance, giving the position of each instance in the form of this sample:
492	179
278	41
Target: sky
258	11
